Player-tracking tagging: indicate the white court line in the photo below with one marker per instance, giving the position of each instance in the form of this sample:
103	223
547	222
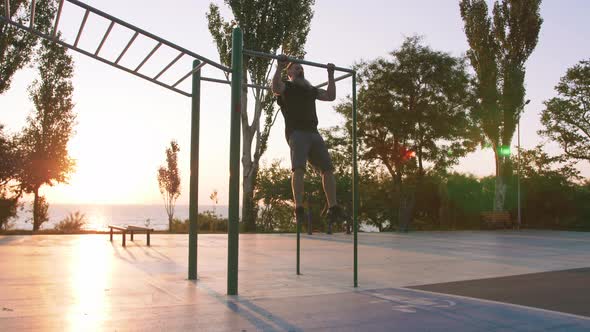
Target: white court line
500	303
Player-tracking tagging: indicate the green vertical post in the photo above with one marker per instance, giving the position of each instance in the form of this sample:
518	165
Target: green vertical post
193	209
234	164
355	181
298	242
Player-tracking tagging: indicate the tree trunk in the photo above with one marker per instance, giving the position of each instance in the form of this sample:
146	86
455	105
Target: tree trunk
170	223
406	209
499	194
36	217
502	170
397	188
249	208
443	209
249	164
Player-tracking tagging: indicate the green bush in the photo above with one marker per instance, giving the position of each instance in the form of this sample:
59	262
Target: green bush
8	210
74	222
208	222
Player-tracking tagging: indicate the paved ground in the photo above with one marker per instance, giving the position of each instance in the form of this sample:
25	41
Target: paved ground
85	283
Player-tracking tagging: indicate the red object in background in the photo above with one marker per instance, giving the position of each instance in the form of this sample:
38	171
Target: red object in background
406	153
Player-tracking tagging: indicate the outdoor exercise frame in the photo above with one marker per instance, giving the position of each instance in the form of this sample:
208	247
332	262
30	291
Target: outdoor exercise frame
235	127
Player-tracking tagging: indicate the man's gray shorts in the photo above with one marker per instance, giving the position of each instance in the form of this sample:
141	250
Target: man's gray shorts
309	146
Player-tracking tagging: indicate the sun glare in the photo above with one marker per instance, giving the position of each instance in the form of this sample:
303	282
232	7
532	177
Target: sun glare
104	173
91	273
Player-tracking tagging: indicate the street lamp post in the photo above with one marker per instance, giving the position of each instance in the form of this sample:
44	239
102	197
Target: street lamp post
518	170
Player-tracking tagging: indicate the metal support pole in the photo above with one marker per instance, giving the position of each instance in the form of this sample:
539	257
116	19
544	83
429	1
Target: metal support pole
127	47
518	176
309	224
82	25
193	210
104	38
519	221
298	221
33	8
355	181
234	164
57	17
148	56
7	7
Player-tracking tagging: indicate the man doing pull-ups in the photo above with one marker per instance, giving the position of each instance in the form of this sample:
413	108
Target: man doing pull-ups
297	100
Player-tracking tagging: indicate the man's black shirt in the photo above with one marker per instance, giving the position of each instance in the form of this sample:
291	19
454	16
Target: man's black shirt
298	107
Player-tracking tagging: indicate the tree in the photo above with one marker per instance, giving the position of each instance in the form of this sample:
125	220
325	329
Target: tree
567	117
9	166
44	141
213	197
413	109
549	190
499	48
375	198
274	192
538	163
169	181
267	26
17	45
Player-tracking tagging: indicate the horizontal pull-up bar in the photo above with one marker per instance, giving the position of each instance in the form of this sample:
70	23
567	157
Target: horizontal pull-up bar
216	80
147	34
335	80
303	62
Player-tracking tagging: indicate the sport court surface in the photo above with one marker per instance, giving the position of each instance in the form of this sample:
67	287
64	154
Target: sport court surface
422	281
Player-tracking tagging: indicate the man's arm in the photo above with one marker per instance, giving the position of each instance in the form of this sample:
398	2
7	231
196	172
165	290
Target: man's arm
278	87
330	93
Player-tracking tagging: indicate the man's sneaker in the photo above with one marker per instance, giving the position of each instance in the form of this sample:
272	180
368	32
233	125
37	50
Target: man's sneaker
336	215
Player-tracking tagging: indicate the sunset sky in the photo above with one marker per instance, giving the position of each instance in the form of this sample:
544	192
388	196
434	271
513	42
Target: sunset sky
125	123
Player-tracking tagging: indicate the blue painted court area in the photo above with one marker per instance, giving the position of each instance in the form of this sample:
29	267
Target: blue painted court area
401	310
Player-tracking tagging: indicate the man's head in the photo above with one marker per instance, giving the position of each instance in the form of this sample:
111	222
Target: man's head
295	71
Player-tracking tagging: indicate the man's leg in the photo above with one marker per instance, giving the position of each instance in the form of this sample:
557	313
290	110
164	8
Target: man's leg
335	213
297	186
299	143
320	159
329	184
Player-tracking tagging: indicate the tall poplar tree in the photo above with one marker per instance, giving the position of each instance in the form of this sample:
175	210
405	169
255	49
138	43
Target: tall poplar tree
44	140
499	48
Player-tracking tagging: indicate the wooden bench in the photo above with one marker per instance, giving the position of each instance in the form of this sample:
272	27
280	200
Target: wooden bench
494	218
131	230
